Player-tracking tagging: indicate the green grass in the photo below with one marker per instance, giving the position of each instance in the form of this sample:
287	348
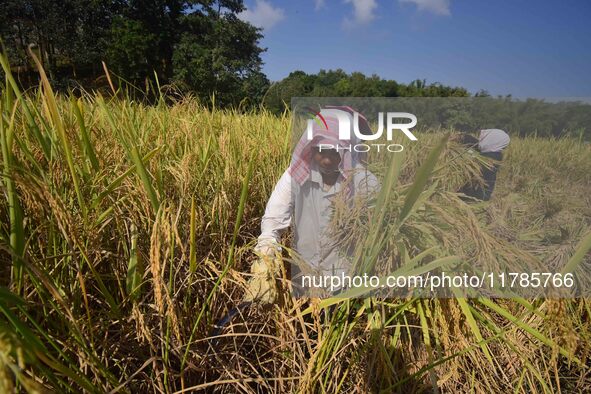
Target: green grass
126	230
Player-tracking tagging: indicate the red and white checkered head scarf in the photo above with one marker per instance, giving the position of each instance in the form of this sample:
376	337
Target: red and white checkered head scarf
325	132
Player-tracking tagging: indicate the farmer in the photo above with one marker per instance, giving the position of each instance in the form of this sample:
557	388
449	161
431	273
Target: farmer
491	144
322	169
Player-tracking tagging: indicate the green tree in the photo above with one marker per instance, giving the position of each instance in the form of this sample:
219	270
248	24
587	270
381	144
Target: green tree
199	44
131	52
296	84
219	54
67	34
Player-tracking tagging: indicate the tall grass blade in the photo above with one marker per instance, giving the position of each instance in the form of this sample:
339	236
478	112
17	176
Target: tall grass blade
421	179
15	213
50	102
192	246
135	268
582	250
88	149
462	302
44	141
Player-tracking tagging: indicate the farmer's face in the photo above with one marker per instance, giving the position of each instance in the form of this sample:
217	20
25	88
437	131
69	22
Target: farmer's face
328	160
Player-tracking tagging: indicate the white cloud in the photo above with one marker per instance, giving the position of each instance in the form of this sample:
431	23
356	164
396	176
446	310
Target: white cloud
263	15
438	7
318	4
363	12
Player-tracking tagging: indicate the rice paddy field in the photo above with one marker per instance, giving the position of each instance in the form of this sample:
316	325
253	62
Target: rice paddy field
126	232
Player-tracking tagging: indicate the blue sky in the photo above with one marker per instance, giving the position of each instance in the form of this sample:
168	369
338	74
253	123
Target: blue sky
528	48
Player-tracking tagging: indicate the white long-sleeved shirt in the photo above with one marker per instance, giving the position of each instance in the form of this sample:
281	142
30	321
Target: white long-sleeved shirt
308	208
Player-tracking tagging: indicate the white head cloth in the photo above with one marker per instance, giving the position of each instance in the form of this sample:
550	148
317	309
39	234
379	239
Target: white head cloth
493	140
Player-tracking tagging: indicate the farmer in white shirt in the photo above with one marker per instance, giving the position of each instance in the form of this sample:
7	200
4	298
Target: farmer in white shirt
303	199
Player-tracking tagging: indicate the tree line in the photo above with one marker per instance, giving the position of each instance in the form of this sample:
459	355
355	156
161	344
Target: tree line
338	83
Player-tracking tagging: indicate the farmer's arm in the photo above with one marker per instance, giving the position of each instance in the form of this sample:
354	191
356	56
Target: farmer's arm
261	286
277	215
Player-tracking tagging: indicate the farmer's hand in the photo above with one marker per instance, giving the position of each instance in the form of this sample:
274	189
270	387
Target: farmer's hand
262	287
